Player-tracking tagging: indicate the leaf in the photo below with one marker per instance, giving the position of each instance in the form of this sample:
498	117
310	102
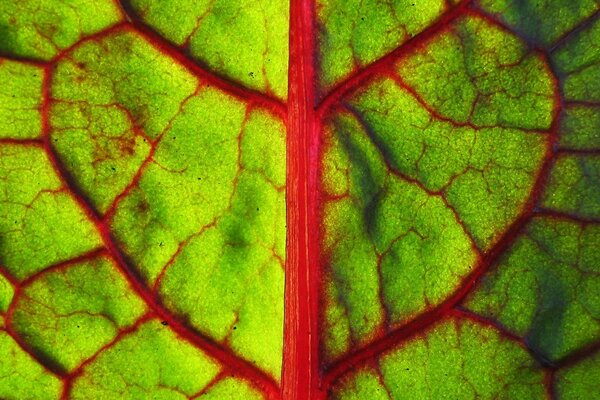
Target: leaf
299	200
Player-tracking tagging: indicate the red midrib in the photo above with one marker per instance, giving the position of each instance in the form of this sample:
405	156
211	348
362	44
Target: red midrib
300	359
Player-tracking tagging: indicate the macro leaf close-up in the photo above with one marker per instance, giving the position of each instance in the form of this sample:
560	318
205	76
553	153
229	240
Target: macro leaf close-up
299	200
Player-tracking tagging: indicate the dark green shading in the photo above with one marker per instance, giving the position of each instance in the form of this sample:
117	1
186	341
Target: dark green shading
545	288
541	22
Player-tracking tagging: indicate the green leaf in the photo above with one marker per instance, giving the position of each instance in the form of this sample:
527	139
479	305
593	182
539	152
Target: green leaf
302	199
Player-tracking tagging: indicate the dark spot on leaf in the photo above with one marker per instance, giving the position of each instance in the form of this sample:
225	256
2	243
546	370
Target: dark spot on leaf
165	323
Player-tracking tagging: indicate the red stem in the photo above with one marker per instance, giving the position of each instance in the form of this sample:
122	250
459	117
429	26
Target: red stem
300	360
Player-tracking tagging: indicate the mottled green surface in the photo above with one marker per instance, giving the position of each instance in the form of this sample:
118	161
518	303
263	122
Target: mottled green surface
220	214
482	75
355	33
20	100
456	360
243	40
580	128
111	101
545	286
574	186
577	61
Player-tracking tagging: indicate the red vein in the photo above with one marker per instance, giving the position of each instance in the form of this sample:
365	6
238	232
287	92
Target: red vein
21	142
560	215
574	358
88	256
300	361
243	368
583	25
23	60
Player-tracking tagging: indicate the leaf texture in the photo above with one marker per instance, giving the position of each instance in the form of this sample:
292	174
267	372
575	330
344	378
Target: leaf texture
314	199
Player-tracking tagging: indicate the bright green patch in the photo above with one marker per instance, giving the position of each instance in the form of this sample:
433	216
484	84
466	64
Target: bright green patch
474	77
482	172
69	314
231	389
455	360
20	100
545	286
150	363
6	294
482	75
40	29
244	40
186	185
40	222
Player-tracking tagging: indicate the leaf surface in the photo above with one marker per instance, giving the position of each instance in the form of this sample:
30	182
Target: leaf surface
299	200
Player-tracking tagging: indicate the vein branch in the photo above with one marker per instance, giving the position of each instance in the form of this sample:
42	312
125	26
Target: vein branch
367	73
185	58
